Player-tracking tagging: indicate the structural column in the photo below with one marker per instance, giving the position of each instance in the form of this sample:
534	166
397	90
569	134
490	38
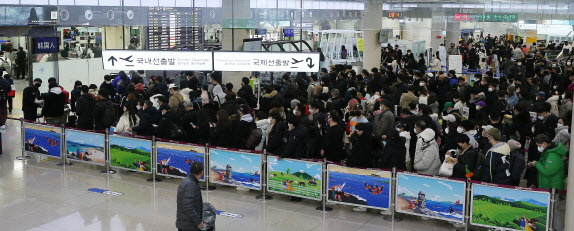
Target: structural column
372	24
236	15
439	24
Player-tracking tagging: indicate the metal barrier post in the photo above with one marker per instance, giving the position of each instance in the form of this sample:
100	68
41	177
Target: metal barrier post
552	207
323	206
467	212
207	174
62	145
153	161
263	179
393	217
23	140
107	151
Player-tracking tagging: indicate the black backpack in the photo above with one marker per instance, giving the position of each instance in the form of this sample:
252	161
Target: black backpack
176	131
3	95
110	114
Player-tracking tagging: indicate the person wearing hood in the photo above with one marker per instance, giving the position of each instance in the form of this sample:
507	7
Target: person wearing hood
85	109
295	147
496	167
31	100
465	162
53	109
243	127
168	118
147	119
551	170
262	122
427	159
361	155
107	84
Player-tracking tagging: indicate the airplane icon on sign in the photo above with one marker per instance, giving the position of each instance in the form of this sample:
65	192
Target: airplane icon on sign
129	59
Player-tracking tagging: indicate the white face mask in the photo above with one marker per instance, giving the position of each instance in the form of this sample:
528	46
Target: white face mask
310	111
477	107
540	117
163	112
519	64
138	107
490	89
540	149
568	63
559	125
459	130
446	130
294	112
125	109
415	130
422	84
108	82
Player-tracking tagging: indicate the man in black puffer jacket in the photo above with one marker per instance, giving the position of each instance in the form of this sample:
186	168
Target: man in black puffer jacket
147	120
53	109
362	153
85	109
296	147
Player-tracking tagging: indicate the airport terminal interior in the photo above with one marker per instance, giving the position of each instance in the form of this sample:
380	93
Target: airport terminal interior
286	115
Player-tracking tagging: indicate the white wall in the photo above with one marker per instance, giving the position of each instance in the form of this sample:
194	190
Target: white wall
412	30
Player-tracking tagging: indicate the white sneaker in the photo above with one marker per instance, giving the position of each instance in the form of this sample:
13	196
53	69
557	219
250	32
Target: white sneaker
3	127
360	209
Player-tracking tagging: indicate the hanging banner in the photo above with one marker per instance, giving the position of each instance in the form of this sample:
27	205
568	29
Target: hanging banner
42	139
294	177
266	61
235	168
509	208
362	187
130	153
432	197
157	60
175	159
85	147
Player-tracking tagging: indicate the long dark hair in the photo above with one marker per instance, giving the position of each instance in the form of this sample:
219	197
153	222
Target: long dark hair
132	113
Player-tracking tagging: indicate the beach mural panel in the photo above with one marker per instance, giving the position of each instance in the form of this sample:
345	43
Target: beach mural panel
437	198
175	159
85	146
235	168
508	208
130	153
295	177
40	139
362	187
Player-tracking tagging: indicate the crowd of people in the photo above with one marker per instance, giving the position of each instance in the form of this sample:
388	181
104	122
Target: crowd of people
493	128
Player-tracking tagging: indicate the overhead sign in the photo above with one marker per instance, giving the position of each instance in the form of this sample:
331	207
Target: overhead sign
157	60
395	15
266	61
45	45
484	17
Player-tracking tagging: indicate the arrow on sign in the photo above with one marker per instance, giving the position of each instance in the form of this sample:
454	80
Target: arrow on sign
113	60
310	62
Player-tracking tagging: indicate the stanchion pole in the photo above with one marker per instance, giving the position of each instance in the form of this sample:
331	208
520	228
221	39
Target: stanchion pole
263	178
153	162
107	152
468	198
63	151
323	206
23	140
393	217
552	206
207	174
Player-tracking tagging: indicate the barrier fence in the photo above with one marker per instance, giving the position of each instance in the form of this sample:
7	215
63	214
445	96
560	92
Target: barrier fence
454	200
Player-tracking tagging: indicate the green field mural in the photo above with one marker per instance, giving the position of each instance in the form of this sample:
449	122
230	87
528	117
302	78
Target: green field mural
130	153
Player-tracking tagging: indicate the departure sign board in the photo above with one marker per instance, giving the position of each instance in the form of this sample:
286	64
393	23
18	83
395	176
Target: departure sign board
395	14
174	28
485	18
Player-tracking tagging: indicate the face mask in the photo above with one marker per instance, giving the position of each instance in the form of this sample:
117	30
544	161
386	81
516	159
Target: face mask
422	84
477	107
398	129
310	111
163	112
559	125
38	85
519	64
294	112
540	149
268	121
125	109
554	87
415	130
446	130
540	117
568	63
490	89
459	130
138	107
108	82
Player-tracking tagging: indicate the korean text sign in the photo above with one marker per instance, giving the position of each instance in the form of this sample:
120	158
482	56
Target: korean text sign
45	45
157	60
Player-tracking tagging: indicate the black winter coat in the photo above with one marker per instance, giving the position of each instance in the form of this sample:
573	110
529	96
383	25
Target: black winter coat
99	111
296	146
394	154
333	143
147	119
85	111
54	104
276	138
466	159
362	152
30	94
189	204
